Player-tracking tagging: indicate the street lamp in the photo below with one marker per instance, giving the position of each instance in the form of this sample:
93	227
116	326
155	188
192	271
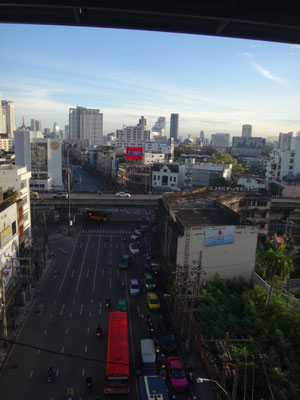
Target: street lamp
201	380
69	189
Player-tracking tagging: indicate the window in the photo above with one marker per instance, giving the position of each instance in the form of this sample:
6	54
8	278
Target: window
174	179
13	227
24	199
158	177
23	184
291	160
291	167
26	216
154	177
170	179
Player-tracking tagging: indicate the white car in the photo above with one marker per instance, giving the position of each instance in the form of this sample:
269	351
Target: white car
60	195
122	194
134	249
138	232
134	289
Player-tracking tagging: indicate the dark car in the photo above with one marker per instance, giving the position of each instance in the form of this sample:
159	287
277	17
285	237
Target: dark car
166	336
147	268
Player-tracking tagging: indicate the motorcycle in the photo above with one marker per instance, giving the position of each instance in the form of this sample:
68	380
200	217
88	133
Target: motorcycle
108	303
124	238
89	384
123	284
151	328
50	374
163	373
99	332
162	361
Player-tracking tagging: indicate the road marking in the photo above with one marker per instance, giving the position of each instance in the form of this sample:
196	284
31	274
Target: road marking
87	245
62	309
82	373
62	349
67	330
93	245
92	301
51	315
80	245
97	258
31	373
57	371
85	349
87	274
81	307
100	308
110	282
39	351
70	315
69	263
90	314
73	301
45	331
73	273
88	330
139	311
103	273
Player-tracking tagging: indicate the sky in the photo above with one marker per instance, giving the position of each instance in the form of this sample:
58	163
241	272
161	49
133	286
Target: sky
215	84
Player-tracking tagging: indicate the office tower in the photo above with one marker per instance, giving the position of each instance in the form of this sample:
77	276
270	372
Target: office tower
246	130
46	131
86	126
285	141
8	111
55	128
67	132
201	136
174	126
160	126
35	125
143	122
220	141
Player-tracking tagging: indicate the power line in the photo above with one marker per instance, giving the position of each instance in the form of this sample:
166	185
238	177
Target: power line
267	376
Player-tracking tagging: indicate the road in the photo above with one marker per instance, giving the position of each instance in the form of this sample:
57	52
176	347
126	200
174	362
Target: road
60	328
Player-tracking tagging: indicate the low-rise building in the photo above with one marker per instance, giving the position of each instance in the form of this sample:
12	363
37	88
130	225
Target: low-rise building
204	174
201	238
167	177
251	181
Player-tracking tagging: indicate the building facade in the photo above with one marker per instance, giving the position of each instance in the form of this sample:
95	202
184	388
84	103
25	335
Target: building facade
220	141
8	111
167	177
41	156
246	130
35	125
204	174
174	125
86	126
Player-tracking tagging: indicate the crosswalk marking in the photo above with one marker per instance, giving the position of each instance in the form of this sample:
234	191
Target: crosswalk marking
106	231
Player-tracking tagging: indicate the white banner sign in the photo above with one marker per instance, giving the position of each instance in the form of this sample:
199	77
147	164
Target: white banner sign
219	235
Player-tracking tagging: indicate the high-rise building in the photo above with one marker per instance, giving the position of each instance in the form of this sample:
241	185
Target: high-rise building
86	126
285	140
246	130
8	111
46	131
56	128
35	125
220	141
143	122
136	133
160	126
174	122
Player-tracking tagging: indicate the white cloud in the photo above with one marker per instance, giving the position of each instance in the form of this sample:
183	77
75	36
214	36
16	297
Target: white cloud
247	54
295	46
267	74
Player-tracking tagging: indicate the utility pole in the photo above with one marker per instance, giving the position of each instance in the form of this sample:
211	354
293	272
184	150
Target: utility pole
69	191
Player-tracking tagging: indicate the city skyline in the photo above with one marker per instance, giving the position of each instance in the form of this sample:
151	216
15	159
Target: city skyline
214	84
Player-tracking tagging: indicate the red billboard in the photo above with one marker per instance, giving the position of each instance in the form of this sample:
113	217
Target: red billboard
134	153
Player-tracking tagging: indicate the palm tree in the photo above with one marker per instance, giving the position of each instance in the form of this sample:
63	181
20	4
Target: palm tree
276	263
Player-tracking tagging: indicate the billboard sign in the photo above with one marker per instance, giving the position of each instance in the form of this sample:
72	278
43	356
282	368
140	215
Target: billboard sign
219	235
134	153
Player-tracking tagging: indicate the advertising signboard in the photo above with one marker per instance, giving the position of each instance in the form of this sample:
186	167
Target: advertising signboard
219	235
134	153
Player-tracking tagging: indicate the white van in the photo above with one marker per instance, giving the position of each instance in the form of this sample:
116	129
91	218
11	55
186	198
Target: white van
148	352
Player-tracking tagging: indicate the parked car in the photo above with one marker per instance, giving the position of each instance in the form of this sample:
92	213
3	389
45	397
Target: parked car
166	336
122	194
134	288
60	195
153	301
134	249
176	374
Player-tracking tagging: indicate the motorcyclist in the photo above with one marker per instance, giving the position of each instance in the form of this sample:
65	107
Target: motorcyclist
70	393
108	302
99	331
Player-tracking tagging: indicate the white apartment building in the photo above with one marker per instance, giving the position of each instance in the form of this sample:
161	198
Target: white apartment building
220	141
251	181
86	126
41	156
284	162
133	134
167	177
203	174
18	178
8	113
163	147
149	157
5	143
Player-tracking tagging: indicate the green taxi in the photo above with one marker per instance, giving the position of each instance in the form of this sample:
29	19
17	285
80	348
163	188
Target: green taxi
122	305
149	281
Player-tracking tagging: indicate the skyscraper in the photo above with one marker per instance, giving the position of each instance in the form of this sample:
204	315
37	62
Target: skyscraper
9	112
35	125
86	126
174	122
160	126
246	130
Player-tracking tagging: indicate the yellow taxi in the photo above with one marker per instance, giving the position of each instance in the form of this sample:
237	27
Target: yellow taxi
153	301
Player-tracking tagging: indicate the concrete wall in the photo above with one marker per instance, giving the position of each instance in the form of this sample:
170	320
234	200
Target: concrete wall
228	261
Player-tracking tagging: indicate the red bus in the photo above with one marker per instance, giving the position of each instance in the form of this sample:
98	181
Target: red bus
117	359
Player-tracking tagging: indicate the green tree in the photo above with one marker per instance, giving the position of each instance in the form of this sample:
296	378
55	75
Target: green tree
276	263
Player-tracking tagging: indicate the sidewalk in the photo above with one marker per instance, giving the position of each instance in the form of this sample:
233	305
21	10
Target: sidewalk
21	315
